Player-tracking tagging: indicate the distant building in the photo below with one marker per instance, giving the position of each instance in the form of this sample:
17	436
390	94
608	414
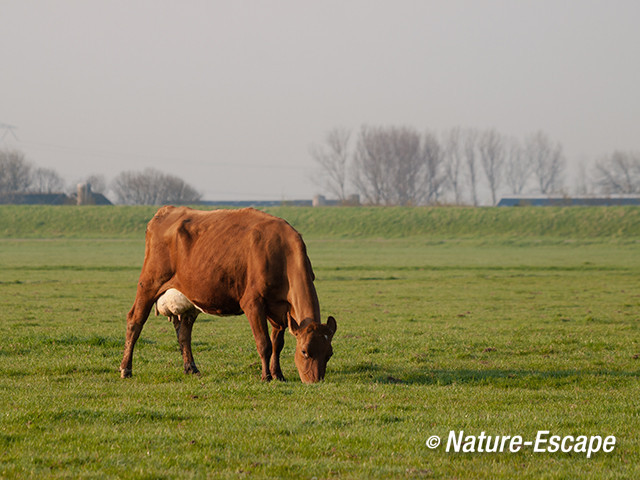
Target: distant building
254	203
87	197
564	201
36	199
318	200
84	197
321	201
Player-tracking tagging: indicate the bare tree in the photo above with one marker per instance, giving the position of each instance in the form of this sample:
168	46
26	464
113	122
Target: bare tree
618	173
46	180
15	172
453	157
332	157
433	178
152	187
405	166
583	183
492	154
470	149
98	182
370	169
396	166
517	169
547	161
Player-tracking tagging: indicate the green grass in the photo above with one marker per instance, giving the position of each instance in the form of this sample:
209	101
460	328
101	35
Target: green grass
508	333
344	222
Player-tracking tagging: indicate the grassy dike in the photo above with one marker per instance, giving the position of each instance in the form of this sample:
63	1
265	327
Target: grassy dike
344	222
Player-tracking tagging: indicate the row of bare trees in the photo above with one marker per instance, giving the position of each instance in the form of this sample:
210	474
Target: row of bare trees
147	187
19	175
395	166
401	166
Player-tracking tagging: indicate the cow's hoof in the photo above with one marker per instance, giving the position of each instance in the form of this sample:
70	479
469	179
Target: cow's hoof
125	373
266	378
191	369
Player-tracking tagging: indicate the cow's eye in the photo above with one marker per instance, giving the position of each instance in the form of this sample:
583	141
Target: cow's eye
305	354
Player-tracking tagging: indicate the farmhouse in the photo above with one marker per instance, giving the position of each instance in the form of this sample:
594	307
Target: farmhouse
35	199
84	196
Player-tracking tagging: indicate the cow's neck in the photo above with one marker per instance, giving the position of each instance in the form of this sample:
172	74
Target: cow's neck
303	297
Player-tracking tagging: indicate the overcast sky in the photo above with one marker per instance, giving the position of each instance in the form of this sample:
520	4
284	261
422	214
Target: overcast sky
230	95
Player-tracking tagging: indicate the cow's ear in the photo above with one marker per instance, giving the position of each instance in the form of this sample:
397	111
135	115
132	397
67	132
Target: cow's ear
333	326
294	328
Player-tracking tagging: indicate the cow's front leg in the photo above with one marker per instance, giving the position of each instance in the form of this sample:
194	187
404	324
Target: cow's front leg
277	342
184	325
255	312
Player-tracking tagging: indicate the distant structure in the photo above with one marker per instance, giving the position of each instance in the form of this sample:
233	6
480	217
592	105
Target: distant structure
254	203
16	198
84	197
564	201
321	201
8	129
317	201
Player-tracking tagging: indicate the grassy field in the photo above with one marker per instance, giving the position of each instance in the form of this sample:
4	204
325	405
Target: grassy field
504	321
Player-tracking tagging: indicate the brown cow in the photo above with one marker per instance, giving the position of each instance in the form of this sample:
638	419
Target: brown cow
229	262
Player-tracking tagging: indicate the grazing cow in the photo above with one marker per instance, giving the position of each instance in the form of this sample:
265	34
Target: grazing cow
229	262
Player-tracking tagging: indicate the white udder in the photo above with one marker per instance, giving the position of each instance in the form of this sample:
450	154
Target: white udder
174	303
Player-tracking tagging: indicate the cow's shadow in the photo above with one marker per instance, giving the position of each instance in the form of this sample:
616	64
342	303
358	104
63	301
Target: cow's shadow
506	377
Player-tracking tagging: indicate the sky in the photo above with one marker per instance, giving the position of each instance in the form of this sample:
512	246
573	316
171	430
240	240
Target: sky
231	95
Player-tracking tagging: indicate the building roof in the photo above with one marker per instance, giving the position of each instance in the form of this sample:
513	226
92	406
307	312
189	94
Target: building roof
50	199
36	199
565	201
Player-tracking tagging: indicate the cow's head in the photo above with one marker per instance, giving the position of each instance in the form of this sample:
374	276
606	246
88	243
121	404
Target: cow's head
313	347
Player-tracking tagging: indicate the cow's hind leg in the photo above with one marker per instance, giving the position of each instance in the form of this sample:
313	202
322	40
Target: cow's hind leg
255	312
136	318
277	342
183	326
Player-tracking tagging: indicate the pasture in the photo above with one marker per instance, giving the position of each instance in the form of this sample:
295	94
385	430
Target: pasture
504	321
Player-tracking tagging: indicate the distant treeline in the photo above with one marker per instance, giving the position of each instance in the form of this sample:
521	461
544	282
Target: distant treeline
402	166
148	187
